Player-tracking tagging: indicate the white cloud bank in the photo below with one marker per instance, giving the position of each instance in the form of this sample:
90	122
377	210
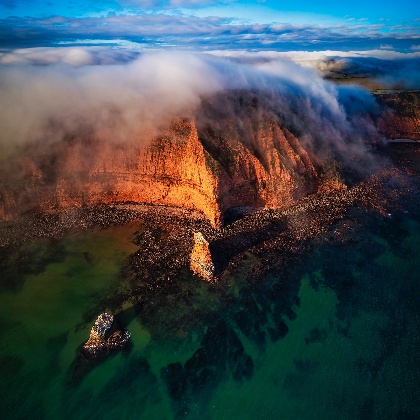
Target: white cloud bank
48	94
44	102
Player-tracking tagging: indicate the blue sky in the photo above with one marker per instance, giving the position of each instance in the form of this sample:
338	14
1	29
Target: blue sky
210	25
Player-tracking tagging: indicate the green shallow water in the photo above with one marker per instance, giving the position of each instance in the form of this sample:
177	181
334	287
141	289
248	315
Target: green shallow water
350	350
352	356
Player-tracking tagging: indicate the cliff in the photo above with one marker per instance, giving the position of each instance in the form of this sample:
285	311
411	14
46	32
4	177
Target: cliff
169	169
209	162
259	162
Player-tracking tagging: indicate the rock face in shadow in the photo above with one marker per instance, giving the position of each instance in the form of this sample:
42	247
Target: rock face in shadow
260	163
208	162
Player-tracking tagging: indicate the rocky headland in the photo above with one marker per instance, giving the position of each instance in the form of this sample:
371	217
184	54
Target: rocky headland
177	188
235	151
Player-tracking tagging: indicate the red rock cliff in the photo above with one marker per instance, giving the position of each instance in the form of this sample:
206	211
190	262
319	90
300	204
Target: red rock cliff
251	160
171	170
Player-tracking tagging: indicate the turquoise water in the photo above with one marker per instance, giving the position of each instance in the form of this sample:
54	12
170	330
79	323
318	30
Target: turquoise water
332	336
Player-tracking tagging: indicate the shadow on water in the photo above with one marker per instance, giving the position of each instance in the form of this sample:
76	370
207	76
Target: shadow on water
55	345
221	354
17	263
295	381
126	395
14	403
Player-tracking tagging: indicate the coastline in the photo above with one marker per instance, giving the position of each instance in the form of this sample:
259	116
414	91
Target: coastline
165	234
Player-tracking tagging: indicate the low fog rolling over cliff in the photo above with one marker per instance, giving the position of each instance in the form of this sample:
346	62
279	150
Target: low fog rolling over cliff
209	210
89	126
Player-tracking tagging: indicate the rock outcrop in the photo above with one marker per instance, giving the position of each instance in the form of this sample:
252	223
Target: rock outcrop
398	127
105	336
201	262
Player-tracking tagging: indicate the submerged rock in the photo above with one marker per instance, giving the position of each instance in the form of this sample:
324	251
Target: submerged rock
105	336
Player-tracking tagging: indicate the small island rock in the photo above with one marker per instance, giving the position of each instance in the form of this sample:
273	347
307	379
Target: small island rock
105	336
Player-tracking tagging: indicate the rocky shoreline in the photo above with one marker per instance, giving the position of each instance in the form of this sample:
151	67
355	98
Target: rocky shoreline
160	271
165	235
36	225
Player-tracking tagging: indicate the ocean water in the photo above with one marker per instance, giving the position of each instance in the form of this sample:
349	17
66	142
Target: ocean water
334	335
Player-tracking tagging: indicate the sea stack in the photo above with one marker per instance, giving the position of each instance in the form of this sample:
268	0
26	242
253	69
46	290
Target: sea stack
105	336
201	262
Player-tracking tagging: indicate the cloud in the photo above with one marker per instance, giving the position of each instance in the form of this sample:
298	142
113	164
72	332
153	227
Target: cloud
74	56
311	56
43	104
159	30
402	75
146	4
149	4
46	101
387	67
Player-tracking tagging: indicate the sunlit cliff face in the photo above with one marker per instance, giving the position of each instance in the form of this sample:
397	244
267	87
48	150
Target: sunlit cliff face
173	128
180	167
